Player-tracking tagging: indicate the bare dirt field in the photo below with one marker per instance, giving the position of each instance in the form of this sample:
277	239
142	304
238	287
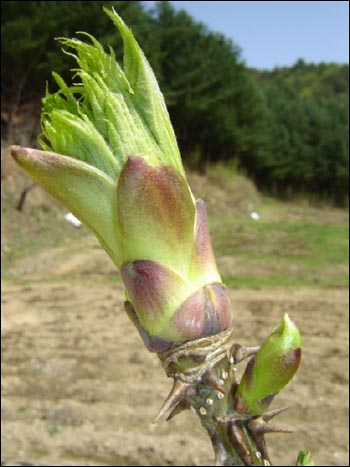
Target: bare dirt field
78	387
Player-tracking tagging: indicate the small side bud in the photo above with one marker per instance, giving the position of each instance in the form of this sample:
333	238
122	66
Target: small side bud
270	369
304	458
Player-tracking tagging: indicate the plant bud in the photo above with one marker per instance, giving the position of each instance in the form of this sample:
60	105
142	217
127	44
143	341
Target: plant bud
111	157
270	369
305	458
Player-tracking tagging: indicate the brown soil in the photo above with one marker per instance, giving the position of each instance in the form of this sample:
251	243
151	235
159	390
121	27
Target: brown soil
78	387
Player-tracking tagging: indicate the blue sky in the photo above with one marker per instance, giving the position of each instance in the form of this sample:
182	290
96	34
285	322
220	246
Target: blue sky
277	33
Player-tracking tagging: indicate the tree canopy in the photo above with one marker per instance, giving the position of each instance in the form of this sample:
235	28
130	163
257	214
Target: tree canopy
309	123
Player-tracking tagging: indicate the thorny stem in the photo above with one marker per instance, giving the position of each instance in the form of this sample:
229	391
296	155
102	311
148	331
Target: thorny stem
204	375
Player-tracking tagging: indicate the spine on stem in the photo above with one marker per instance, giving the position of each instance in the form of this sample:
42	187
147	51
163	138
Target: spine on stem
234	413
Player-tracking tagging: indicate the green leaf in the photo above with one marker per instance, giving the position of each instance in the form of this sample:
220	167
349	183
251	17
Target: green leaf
109	113
147	97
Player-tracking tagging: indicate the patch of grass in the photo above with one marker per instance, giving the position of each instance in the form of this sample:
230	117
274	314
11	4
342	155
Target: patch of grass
270	253
53	430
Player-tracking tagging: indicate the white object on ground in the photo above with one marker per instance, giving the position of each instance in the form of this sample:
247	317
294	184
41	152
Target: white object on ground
72	220
255	216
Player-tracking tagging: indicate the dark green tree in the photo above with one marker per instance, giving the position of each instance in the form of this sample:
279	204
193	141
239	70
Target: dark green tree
30	51
215	106
309	130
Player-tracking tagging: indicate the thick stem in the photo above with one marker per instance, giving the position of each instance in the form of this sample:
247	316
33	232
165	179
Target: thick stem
204	375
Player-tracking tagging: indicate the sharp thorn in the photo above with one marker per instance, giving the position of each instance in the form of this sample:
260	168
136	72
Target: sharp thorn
176	394
272	413
180	407
277	429
259	427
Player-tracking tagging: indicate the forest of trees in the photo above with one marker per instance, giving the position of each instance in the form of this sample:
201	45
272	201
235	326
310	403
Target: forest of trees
288	129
